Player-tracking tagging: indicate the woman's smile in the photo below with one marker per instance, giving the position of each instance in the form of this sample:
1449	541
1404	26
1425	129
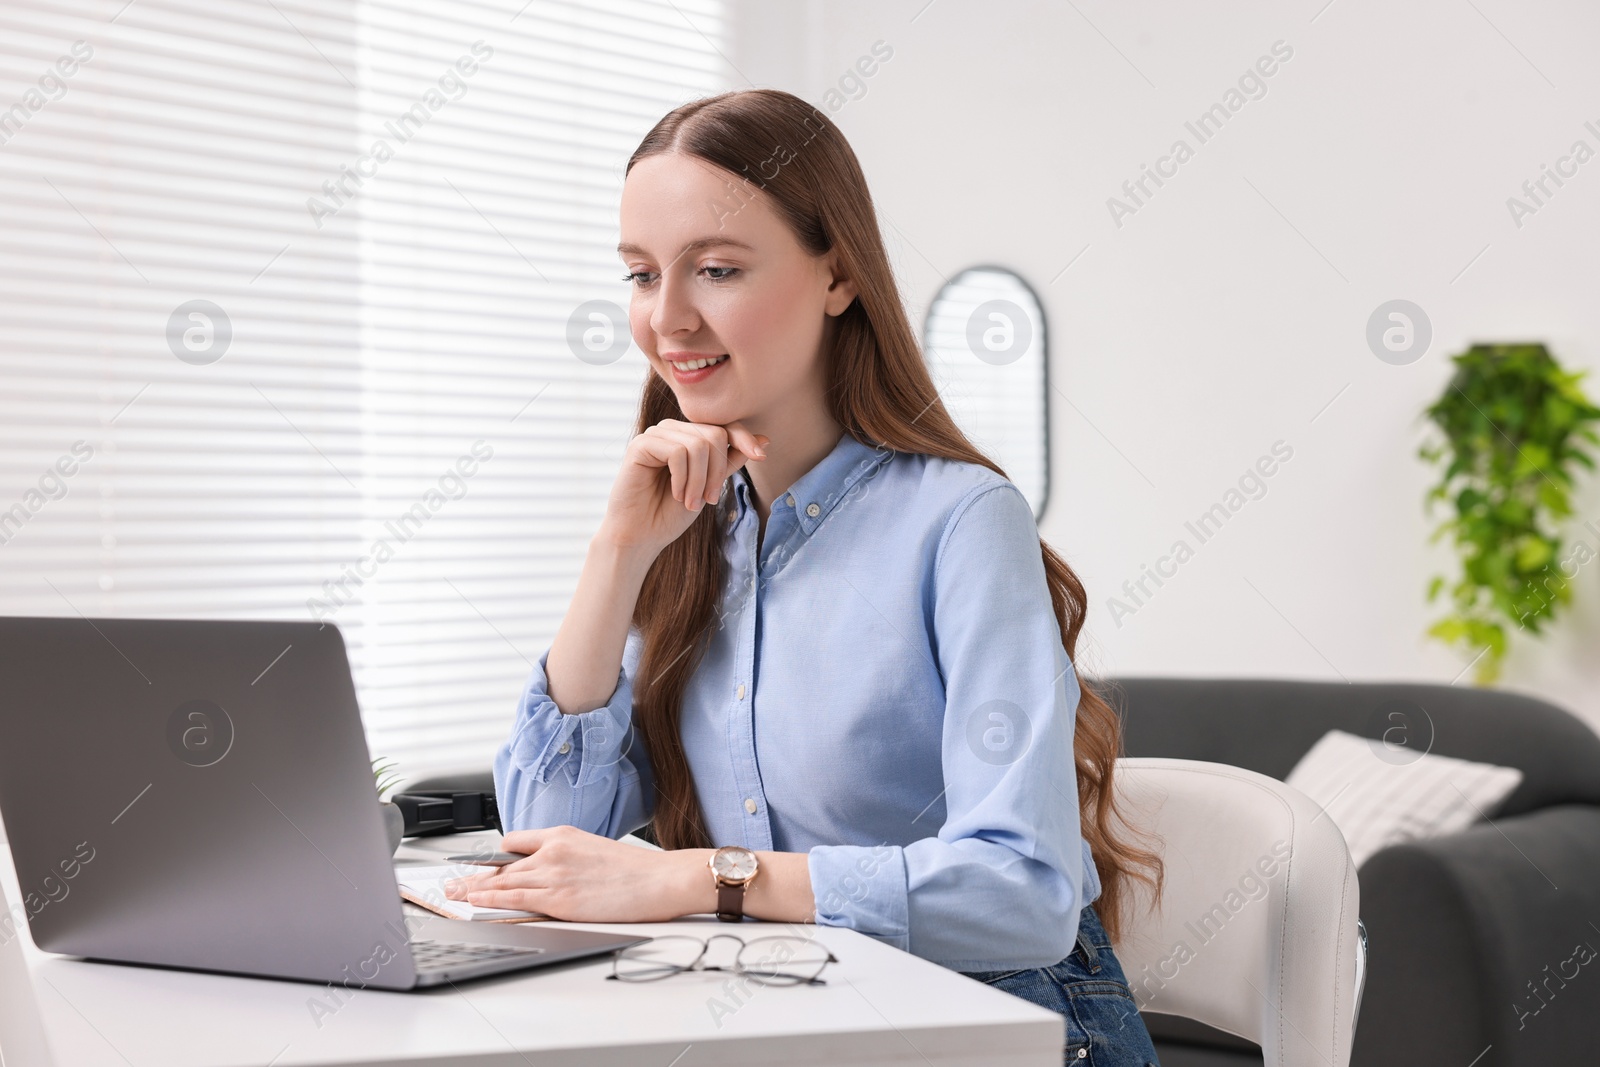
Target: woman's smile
691	367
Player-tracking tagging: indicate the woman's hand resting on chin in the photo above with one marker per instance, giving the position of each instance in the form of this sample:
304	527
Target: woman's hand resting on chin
668	474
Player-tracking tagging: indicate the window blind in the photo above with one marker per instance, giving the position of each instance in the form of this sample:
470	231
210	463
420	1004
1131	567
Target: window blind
297	321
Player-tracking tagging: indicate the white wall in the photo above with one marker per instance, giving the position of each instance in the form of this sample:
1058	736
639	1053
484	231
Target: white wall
1231	308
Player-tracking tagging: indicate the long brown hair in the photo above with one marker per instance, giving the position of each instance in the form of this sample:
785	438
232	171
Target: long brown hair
882	394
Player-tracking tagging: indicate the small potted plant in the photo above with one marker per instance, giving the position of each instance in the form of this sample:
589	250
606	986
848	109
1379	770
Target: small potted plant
386	777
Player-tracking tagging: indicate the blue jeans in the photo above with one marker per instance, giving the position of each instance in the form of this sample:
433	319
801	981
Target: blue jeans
1088	988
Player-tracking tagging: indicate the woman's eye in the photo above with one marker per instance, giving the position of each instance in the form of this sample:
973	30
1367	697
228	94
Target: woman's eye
716	274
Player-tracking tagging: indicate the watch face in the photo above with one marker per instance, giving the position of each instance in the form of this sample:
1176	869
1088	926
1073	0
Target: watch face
734	864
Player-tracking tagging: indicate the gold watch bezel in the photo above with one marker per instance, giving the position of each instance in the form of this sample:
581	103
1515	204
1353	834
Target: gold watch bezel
718	878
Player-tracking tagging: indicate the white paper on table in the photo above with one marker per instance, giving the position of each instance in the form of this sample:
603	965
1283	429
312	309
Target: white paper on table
424	887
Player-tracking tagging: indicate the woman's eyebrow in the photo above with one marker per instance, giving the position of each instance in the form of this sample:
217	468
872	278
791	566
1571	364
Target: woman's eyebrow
627	249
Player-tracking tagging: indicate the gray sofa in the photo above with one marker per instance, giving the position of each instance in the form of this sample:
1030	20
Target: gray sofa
1461	929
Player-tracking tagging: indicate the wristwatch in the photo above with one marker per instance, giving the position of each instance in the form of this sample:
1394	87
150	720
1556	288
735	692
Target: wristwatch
732	868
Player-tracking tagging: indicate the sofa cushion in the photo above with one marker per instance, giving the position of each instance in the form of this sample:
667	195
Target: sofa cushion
1380	795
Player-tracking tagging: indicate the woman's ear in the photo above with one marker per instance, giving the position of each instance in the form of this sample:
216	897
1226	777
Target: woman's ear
841	290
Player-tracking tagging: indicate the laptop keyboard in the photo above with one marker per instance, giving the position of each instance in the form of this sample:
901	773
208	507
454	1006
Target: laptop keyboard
437	955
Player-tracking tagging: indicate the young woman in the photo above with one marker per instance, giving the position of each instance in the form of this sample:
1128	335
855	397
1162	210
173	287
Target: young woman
816	625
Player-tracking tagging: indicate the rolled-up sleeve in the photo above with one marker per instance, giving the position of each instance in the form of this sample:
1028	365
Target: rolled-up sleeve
588	770
1002	883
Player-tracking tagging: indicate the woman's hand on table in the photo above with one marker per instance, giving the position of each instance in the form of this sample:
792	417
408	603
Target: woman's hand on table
576	876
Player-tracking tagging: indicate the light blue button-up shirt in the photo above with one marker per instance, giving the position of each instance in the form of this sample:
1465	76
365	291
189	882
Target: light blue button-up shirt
886	691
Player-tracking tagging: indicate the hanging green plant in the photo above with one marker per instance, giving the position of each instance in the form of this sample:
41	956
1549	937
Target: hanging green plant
1513	425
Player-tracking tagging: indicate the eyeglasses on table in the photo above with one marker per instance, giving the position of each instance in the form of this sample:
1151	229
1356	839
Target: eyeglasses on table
777	960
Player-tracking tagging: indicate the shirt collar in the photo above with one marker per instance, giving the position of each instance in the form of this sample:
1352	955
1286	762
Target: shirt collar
823	487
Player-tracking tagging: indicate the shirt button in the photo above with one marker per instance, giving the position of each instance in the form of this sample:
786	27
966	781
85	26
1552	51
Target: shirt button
813	510
750	805
566	746
741	692
789	499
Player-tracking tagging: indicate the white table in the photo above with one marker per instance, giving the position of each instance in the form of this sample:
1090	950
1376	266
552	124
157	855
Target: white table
880	1006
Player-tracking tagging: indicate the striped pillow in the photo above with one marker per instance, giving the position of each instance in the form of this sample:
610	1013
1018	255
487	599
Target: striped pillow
1378	801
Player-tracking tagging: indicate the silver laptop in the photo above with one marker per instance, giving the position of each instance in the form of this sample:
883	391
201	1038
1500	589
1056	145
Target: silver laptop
199	795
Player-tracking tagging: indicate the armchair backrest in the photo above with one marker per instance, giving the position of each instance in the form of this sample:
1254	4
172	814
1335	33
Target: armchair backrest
1256	930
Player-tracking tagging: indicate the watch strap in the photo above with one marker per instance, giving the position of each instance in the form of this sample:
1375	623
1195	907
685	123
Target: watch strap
730	902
